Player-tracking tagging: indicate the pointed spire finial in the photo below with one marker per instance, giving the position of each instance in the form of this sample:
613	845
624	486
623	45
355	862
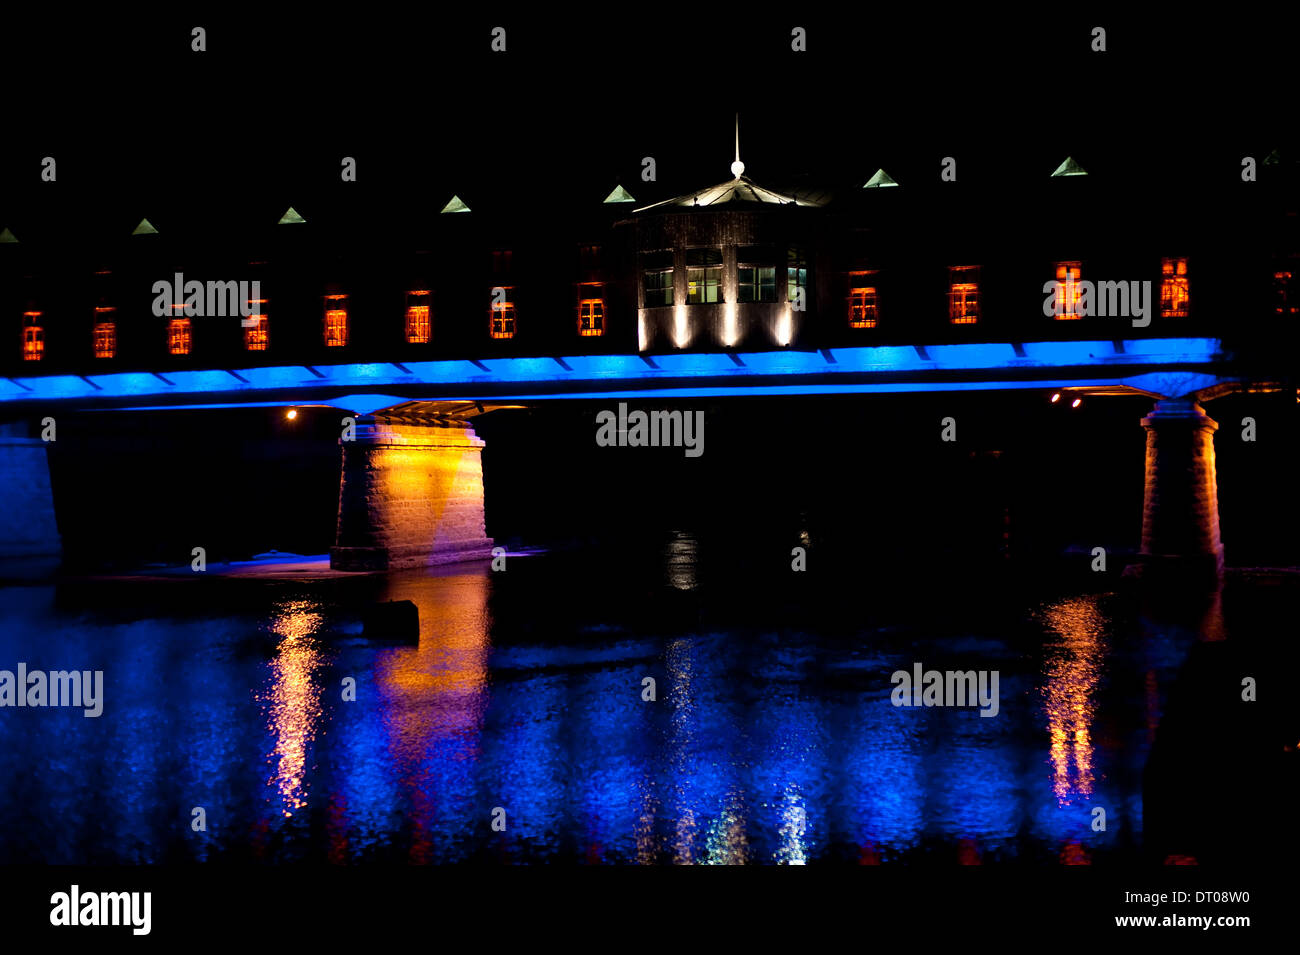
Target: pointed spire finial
737	167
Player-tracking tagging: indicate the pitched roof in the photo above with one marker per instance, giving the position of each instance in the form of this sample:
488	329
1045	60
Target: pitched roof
619	194
742	190
1070	168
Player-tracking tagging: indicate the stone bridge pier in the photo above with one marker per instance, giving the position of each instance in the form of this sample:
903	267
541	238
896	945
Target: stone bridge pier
410	493
29	535
1180	501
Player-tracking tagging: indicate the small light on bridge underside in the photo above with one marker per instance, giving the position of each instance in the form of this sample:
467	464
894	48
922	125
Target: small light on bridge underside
1076	402
1056	397
291	413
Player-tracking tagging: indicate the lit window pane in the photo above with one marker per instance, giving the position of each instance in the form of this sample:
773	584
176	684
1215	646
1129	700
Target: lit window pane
180	336
1175	291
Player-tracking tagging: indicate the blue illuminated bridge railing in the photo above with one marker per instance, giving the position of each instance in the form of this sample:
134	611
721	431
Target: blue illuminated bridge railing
890	368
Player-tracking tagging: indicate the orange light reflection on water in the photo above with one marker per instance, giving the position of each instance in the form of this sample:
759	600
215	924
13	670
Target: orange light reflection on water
1072	673
434	697
294	701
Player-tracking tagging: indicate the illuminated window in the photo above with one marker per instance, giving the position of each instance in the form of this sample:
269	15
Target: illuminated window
33	337
104	332
591	317
591	309
1284	301
1175	300
336	321
419	327
257	335
756	283
796	275
703	276
1068	291
864	300
502	324
658	285
180	335
964	294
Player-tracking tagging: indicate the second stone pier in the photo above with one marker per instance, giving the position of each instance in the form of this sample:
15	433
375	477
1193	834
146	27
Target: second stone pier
1180	507
410	494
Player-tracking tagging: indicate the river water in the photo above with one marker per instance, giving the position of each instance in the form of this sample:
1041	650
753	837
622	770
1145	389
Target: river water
565	710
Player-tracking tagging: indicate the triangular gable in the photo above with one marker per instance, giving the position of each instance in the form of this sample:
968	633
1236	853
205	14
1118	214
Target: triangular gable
1070	168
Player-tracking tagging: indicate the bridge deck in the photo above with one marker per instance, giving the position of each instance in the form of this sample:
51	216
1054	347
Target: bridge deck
890	368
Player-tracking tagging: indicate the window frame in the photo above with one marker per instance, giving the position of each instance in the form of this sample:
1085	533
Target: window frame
418	326
180	331
1177	279
665	289
1067	309
964	296
503	319
863	299
331	322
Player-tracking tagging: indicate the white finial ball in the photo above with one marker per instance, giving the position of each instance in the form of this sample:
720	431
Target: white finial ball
737	168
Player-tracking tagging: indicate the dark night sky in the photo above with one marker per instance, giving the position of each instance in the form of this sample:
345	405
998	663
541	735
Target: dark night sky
140	123
207	143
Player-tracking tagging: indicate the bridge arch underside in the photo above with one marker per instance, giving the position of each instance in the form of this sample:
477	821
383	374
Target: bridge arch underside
411	477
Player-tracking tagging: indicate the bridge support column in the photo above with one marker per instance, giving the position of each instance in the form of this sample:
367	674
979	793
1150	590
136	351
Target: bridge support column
29	535
1180	509
410	495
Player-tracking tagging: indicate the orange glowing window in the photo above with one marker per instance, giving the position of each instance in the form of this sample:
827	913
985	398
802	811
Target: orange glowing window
104	333
1284	302
591	317
336	321
180	336
864	301
1175	299
964	294
257	334
33	337
1068	291
502	316
419	327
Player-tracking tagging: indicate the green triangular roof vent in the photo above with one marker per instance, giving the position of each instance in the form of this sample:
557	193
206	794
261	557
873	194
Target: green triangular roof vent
455	205
1070	168
7	236
291	217
1273	159
144	228
880	180
619	195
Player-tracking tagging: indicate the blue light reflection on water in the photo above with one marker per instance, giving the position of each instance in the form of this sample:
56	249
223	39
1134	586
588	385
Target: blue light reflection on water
773	746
